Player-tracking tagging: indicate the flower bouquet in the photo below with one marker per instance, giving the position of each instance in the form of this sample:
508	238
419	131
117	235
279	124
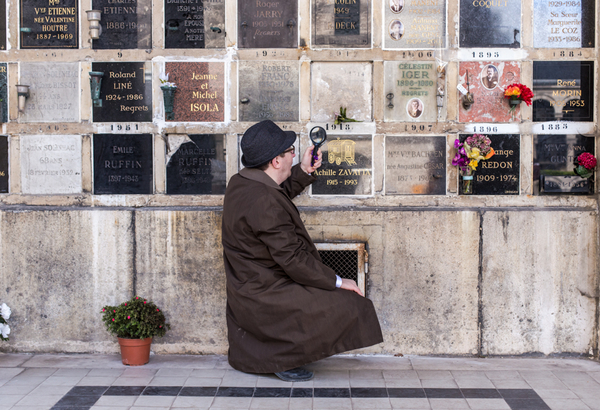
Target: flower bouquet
517	93
585	164
4	316
476	148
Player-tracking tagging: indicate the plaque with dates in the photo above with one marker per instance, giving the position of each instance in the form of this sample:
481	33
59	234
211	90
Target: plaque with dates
415	165
126	24
414	24
3	164
126	92
200	94
2	25
195	24
123	164
563	90
268	24
54	92
499	175
3	92
490	23
198	166
554	164
411	91
347	166
563	23
269	90
49	23
341	23
51	164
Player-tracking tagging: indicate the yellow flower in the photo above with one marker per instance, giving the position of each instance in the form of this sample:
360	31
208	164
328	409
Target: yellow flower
473	164
474	153
512	92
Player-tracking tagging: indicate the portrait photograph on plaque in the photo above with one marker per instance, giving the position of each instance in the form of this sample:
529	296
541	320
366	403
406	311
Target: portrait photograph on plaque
49	23
3	92
267	24
3	164
343	23
564	91
554	164
564	24
415	165
198	166
486	23
347	166
200	95
195	24
125	92
123	164
414	24
487	80
126	24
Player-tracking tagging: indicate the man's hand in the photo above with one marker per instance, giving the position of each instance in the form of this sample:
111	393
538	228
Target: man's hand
306	159
349	284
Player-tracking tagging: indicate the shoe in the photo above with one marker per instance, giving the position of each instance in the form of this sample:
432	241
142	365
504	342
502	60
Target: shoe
295	375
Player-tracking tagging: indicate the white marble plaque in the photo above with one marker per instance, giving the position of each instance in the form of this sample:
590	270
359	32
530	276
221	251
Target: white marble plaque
417	24
54	92
348	85
51	164
563	23
411	90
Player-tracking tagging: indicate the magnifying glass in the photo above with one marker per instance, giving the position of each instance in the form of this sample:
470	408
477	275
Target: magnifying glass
318	136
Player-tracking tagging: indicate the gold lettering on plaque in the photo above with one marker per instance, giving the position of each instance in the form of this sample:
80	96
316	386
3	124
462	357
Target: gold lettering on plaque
341	150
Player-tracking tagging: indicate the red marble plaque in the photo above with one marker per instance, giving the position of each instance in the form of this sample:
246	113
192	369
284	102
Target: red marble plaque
487	82
200	91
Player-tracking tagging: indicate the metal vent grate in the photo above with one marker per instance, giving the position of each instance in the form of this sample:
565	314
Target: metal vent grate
348	260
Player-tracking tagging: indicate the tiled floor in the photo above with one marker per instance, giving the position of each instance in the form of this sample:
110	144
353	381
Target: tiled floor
101	382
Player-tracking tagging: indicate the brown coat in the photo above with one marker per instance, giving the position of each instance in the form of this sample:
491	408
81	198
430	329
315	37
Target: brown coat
283	309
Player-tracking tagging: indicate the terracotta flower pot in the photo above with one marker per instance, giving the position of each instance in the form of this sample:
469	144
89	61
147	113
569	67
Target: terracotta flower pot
135	352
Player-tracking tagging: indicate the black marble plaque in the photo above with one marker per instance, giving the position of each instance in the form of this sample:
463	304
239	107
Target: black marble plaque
123	164
490	23
184	24
347	166
268	24
341	23
126	24
3	92
346	17
2	25
499	175
563	90
554	163
49	23
3	164
126	92
198	166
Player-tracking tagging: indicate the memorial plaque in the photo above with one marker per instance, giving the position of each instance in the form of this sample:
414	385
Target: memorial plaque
487	81
200	91
499	175
490	23
49	23
2	25
126	24
341	23
347	166
414	24
3	164
341	84
269	90
54	92
411	91
195	24
415	165
563	90
267	24
554	163
126	92
563	24
123	164
198	166
51	164
3	92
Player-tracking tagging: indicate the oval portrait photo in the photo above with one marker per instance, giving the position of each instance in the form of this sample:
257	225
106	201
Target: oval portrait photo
396	29
489	77
414	107
396	6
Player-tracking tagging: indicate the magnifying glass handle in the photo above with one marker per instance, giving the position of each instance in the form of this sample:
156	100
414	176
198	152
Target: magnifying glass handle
315	155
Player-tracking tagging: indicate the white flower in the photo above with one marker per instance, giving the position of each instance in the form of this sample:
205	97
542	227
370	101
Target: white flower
5	311
5	330
163	77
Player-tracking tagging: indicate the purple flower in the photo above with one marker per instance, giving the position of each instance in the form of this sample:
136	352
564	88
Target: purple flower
457	143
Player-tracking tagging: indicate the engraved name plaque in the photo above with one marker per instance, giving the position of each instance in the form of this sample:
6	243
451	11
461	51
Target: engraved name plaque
2	25
415	165
3	92
411	91
3	164
267	23
414	24
269	90
126	24
563	24
194	24
341	23
49	23
490	23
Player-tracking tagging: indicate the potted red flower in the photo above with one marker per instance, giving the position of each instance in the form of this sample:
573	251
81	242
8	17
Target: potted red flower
517	93
135	323
585	164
